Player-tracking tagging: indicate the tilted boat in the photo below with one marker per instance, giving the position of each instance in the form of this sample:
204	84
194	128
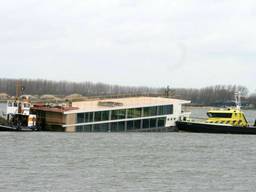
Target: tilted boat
228	120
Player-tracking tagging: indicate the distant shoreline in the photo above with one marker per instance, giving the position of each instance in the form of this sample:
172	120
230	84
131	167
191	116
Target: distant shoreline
191	105
212	106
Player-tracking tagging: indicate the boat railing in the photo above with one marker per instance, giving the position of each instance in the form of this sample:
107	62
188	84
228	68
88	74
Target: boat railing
197	119
2	114
202	120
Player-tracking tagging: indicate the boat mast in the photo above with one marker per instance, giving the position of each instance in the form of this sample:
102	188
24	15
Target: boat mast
18	89
238	100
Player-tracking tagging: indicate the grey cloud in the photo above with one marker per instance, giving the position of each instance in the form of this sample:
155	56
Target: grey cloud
130	42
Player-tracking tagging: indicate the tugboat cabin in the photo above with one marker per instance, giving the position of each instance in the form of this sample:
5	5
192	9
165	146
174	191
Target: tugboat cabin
233	117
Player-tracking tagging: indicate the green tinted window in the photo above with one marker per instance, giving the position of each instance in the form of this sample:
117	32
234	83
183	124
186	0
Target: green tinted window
161	122
101	127
149	123
88	117
101	116
117	126
134	113
80	117
85	128
165	110
121	126
114	127
146	123
97	116
152	123
105	115
84	117
133	125
137	124
149	111
130	125
118	114
79	128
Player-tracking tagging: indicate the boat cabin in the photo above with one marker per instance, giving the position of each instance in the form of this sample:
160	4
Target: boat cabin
18	114
233	117
18	107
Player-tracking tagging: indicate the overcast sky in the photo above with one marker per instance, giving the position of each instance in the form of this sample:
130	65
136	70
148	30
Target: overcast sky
181	43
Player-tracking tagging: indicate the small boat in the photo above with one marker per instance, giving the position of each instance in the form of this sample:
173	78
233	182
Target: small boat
227	120
18	116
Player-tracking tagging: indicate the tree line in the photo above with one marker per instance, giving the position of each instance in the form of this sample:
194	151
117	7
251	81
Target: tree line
205	96
64	88
213	94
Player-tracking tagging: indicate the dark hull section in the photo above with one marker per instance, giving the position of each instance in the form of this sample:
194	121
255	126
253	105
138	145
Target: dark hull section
8	128
211	128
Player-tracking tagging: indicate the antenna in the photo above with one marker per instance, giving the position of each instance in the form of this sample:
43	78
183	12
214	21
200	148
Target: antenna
238	100
167	91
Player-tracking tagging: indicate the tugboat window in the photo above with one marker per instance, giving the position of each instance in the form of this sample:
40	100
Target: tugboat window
219	115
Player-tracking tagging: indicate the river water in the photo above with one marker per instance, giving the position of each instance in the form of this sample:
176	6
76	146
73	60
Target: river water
132	162
127	162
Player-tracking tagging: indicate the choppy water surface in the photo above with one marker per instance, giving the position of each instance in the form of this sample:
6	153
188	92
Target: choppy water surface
127	162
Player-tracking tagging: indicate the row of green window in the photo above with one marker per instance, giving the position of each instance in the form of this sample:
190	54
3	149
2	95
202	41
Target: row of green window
121	114
123	125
